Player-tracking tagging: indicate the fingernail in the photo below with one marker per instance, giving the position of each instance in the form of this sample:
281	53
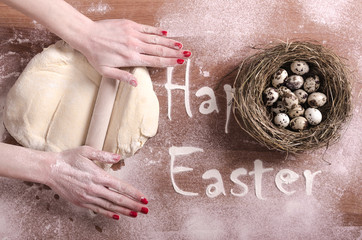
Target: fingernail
144	210
144	200
164	33
116	217
116	157
180	61
133	214
187	53
133	83
178	45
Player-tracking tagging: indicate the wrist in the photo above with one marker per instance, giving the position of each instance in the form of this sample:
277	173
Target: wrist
77	35
47	160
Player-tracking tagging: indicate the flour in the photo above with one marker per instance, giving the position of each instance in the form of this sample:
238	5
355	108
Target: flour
332	14
100	8
222	29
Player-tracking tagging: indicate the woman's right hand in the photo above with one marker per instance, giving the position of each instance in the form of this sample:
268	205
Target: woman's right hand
76	178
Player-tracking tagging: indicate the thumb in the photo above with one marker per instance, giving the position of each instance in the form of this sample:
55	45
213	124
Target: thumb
120	75
98	155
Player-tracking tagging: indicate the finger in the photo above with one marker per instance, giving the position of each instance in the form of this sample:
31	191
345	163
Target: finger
153	61
120	75
115	201
112	207
107	213
161	51
158	40
151	30
123	188
98	155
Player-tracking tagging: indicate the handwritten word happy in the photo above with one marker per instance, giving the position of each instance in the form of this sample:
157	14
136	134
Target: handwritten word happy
206	107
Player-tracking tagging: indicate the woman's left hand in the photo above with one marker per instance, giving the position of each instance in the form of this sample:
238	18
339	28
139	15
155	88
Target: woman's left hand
115	43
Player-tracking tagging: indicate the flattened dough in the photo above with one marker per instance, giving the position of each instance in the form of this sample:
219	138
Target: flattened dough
50	105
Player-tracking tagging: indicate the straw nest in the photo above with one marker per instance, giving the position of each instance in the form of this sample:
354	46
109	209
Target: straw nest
255	75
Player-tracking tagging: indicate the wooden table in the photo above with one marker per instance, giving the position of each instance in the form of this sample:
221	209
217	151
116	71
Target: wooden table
204	177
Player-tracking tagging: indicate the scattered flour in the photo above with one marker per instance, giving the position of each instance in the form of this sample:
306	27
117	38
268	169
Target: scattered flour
218	34
332	14
100	8
221	29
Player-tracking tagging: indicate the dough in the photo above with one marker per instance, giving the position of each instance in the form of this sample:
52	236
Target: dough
50	105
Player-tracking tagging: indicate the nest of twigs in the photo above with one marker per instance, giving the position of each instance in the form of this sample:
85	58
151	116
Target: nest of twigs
255	75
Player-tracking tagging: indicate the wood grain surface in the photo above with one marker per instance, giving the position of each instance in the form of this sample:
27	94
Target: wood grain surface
333	208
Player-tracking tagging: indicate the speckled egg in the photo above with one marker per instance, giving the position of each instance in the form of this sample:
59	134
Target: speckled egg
313	115
317	99
279	77
299	67
294	82
270	96
281	120
299	123
278	107
283	90
296	111
290	100
311	84
301	95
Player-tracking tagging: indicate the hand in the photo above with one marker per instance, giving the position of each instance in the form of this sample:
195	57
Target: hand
111	44
79	180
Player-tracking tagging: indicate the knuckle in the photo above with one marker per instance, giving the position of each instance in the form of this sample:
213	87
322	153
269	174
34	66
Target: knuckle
84	150
157	61
91	191
154	39
131	43
109	206
146	28
160	51
126	22
83	197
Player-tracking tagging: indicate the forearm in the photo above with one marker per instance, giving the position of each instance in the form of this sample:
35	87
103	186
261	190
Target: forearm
58	16
25	164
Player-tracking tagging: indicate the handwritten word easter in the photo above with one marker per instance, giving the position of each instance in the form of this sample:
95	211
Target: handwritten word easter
283	177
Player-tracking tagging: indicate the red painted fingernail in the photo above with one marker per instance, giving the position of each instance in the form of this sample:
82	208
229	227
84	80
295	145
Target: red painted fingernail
164	33
180	61
116	157
133	214
144	210
133	83
144	200
116	217
178	45
187	53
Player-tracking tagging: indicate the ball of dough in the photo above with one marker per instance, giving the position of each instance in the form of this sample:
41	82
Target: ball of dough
50	106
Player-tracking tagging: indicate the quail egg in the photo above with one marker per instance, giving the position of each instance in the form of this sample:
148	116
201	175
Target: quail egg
281	120
270	96
294	82
313	115
317	99
299	67
278	107
290	100
283	90
299	123
301	95
296	111
311	84
279	77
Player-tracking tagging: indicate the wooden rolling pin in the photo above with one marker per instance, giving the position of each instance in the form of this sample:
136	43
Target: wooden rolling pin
101	115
